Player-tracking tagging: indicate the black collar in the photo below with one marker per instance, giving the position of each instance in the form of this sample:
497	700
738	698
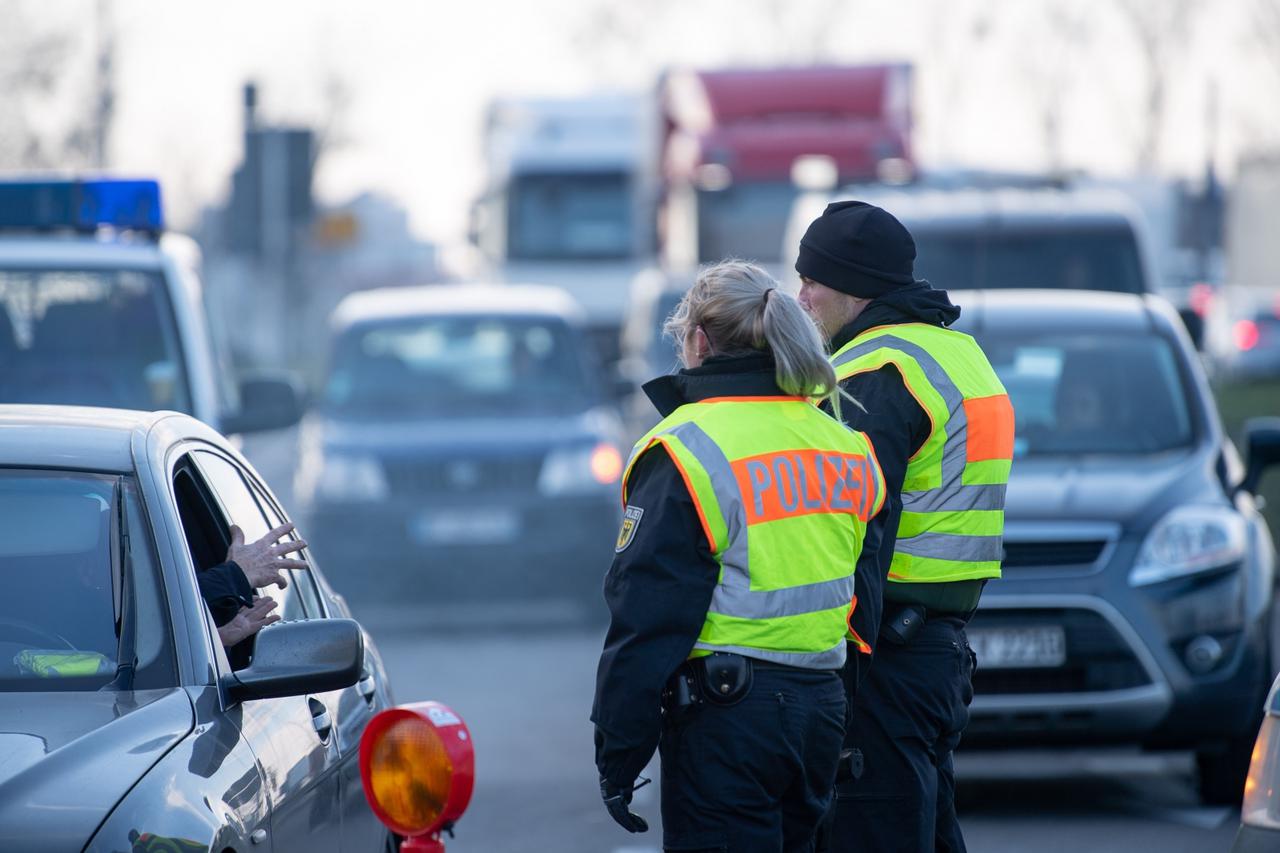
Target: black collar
750	375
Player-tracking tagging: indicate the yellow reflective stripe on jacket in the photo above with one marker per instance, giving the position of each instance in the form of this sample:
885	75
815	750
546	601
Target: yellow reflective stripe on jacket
783	492
954	488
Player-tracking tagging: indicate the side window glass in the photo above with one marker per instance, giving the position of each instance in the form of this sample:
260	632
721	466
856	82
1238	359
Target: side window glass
300	580
243	509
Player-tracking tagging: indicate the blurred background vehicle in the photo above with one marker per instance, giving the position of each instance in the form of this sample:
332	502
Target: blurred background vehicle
1138	598
119	710
730	138
567	202
464	446
99	306
646	351
1250	349
995	237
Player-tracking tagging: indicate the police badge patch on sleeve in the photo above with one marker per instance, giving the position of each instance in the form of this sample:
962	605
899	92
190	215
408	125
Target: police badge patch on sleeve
630	522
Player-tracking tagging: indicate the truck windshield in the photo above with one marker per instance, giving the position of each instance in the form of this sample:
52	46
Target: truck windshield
1077	259
744	220
569	217
458	366
89	338
58	628
1092	393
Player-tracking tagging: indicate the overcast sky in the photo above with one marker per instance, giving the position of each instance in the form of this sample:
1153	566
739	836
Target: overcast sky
413	78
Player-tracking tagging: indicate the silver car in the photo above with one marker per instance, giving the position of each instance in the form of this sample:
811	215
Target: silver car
122	725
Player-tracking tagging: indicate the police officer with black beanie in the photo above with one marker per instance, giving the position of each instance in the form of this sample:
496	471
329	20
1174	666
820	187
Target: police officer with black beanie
911	685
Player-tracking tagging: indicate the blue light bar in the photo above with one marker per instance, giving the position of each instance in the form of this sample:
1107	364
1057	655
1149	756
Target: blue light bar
82	205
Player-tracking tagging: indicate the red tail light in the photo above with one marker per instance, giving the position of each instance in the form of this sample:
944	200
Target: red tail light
1246	335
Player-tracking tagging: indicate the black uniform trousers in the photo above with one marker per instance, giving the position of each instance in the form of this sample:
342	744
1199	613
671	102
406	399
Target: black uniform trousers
907	719
757	775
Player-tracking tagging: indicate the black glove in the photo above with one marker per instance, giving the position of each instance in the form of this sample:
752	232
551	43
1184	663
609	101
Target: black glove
616	801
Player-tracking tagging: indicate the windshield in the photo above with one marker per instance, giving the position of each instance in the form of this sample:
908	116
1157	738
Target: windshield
1082	394
458	366
581	216
1077	259
58	611
89	338
745	220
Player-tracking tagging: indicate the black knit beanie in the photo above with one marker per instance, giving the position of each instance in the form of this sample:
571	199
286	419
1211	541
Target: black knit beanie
857	248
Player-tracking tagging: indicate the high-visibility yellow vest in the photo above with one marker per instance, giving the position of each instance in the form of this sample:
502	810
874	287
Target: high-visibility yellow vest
953	495
783	492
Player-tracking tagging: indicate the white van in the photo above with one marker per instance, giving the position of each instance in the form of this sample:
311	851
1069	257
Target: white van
998	237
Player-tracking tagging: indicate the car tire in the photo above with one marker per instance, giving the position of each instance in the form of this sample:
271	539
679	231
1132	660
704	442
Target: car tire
1222	772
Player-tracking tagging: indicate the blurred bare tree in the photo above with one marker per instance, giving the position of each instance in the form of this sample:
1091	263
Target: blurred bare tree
1049	62
620	36
1264	28
57	111
1163	31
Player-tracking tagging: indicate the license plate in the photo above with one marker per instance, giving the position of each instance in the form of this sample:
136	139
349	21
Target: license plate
477	527
1018	648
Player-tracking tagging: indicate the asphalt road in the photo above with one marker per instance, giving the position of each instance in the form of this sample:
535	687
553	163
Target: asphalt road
526	693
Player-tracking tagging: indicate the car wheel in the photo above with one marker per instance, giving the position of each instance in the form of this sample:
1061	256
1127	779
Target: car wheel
1222	772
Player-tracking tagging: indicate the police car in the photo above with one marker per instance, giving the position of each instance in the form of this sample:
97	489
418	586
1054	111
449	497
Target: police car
99	305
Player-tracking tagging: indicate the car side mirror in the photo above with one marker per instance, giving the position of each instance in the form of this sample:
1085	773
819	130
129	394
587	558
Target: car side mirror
296	658
268	400
1262	435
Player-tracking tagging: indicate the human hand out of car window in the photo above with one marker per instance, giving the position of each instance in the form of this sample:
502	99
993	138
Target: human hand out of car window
263	561
249	621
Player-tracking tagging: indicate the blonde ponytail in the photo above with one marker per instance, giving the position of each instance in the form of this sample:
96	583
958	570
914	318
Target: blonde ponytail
741	310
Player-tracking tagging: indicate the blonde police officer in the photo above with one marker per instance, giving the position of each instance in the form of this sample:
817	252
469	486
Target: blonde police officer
746	510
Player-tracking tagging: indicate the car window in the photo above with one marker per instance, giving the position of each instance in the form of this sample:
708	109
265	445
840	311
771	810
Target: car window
305	603
58	625
1075	258
1103	393
551	217
242	509
458	366
90	338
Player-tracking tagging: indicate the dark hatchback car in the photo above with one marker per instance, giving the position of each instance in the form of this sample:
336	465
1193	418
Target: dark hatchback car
1137	603
465	446
121	722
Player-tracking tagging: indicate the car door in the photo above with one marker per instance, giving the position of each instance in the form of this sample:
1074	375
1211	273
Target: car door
293	736
356	705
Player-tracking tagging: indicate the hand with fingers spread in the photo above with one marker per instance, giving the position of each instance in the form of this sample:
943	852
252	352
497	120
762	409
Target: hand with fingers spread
263	561
249	621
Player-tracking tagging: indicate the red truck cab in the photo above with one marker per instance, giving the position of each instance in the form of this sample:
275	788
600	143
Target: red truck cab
730	138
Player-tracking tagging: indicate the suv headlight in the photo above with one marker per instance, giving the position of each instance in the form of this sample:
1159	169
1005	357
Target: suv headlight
1190	540
580	470
350	477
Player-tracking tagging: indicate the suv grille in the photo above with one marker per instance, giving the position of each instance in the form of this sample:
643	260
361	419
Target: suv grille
453	476
1098	659
1036	554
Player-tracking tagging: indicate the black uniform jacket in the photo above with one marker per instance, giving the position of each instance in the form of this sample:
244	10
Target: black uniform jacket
660	584
897	427
225	589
